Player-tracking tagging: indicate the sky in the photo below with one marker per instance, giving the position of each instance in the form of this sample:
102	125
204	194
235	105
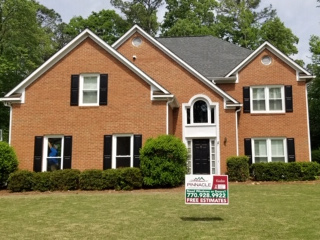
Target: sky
301	16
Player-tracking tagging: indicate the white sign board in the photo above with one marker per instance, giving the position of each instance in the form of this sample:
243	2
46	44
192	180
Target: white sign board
207	189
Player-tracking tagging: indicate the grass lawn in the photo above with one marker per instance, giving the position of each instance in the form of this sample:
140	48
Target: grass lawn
266	211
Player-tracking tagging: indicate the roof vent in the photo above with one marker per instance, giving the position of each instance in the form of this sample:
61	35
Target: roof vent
266	60
137	41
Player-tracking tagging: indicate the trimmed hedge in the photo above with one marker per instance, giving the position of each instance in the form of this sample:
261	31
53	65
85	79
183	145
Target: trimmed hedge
21	181
8	162
163	161
238	168
278	171
91	180
72	179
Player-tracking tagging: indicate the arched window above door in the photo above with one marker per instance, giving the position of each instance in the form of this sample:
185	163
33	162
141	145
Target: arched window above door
200	112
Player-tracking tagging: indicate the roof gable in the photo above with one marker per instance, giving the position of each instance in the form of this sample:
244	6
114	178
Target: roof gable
302	74
72	45
177	59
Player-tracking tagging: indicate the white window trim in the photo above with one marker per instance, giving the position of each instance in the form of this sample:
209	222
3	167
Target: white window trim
45	151
269	153
266	92
114	149
82	76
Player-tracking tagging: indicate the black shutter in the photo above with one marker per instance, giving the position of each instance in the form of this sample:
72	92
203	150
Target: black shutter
136	150
246	99
37	160
103	89
107	151
291	150
67	152
288	98
248	149
74	97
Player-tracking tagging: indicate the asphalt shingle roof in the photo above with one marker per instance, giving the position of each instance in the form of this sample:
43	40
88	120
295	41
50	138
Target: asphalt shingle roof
210	56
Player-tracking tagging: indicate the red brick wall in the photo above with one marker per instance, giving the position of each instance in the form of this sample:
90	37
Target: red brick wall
290	125
184	86
47	108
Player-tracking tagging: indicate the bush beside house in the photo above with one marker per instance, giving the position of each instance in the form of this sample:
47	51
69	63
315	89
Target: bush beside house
8	162
238	168
163	162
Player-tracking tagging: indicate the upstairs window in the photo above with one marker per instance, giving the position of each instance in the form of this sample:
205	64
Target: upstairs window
200	112
89	90
267	99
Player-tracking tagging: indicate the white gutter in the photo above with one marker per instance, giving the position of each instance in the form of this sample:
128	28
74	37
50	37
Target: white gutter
308	124
237	134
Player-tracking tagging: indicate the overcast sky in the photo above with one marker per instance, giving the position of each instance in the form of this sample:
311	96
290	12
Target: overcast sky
301	16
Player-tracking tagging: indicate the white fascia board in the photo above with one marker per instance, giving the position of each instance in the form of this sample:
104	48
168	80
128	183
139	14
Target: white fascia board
69	47
274	50
182	63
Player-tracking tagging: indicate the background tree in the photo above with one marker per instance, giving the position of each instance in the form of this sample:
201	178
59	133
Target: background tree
25	43
189	18
107	24
314	93
141	12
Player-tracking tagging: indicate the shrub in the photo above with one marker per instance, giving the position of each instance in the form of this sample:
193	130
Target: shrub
21	180
91	180
129	178
42	181
67	179
110	178
8	162
315	155
163	162
277	171
238	168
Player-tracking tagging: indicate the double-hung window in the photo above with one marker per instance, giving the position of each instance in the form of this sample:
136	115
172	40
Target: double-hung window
267	99
269	150
89	90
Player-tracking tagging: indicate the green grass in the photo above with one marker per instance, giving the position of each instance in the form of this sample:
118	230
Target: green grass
275	211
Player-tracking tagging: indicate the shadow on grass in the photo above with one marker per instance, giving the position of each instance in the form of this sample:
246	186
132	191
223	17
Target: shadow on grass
201	219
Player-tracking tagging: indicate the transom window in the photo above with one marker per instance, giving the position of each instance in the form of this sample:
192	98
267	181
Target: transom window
269	150
89	90
267	99
200	112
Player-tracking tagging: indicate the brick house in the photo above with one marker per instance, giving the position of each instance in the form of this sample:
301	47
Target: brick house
97	104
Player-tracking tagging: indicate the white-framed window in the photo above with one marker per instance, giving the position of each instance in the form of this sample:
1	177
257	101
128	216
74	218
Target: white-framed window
122	150
53	153
269	150
89	90
200	112
267	99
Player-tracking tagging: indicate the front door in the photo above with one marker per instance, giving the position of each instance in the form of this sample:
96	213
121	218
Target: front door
201	156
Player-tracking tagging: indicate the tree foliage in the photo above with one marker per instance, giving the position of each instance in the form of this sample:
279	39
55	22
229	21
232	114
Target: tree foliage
141	12
8	162
107	24
314	92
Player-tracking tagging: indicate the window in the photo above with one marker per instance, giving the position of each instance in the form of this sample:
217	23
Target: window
89	90
267	99
53	160
269	150
201	111
123	151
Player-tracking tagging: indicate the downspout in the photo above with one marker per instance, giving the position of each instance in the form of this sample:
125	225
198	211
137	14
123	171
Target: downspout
168	120
8	104
308	124
237	134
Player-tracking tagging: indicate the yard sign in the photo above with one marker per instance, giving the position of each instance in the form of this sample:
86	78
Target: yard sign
207	189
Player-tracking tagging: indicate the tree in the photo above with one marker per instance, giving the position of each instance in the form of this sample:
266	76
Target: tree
25	43
107	24
189	18
141	12
314	93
